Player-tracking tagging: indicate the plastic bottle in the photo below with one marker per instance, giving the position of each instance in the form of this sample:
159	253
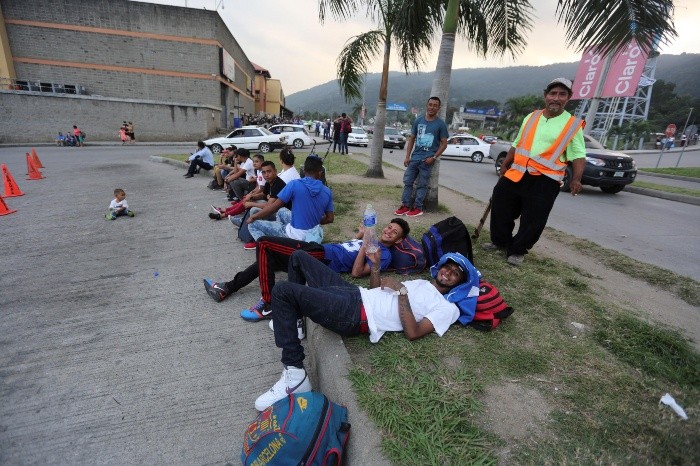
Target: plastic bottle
369	221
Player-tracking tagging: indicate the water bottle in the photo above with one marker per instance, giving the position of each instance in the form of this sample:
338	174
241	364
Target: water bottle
369	221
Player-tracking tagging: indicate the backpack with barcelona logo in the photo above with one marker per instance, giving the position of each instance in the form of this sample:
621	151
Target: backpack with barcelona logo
302	429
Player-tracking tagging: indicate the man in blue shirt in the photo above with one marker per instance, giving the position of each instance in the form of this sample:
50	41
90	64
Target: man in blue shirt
202	158
429	136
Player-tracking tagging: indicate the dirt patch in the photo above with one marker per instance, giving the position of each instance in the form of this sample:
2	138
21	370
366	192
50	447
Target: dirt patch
515	414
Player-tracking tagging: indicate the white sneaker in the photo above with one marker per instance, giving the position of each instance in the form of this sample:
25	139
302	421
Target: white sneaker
301	328
293	380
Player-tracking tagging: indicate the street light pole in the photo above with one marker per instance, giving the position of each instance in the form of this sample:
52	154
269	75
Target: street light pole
686	139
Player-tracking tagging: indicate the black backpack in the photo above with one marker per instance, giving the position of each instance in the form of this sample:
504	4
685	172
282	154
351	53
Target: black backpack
449	235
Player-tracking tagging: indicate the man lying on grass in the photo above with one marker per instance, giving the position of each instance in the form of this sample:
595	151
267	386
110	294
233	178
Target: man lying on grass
416	307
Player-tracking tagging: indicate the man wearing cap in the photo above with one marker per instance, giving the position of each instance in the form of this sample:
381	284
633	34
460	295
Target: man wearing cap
533	172
313	290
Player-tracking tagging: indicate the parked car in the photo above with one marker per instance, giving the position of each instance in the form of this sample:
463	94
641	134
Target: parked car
297	135
357	137
490	139
248	137
465	146
608	170
393	138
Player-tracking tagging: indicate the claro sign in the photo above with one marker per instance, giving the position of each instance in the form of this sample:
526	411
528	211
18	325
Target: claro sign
623	74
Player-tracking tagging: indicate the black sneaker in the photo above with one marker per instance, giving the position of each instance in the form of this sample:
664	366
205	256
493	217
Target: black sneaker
214	216
215	290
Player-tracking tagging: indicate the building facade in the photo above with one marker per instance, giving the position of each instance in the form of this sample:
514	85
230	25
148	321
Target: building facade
176	73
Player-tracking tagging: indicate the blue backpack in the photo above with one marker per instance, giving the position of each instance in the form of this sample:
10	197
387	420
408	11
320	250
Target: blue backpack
449	235
302	429
407	256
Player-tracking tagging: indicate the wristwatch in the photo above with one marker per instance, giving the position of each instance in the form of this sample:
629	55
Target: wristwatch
401	292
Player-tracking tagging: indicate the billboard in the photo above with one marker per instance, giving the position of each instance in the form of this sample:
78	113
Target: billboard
623	74
228	66
392	106
625	70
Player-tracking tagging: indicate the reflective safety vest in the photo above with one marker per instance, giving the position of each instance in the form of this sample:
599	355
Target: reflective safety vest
547	163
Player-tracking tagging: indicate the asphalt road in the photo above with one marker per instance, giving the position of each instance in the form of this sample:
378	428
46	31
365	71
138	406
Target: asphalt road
657	231
111	352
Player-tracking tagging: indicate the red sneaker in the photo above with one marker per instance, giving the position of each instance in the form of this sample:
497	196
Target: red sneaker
249	246
402	210
414	213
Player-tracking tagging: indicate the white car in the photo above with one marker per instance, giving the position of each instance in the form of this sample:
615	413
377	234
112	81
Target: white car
297	136
466	146
357	137
248	137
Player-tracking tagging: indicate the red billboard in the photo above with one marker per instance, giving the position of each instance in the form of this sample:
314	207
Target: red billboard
623	74
625	70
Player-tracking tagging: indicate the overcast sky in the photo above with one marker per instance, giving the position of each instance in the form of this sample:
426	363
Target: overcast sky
287	38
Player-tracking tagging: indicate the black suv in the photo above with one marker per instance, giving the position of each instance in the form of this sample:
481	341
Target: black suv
609	170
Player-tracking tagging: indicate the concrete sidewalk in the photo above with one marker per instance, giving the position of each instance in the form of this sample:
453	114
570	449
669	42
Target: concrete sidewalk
112	352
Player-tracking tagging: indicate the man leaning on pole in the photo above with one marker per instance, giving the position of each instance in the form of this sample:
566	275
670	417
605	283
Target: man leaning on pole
533	172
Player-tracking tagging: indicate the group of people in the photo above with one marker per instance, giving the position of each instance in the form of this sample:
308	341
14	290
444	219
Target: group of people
126	133
288	236
74	137
338	132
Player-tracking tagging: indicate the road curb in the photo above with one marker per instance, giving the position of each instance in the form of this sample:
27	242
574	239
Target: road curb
671	177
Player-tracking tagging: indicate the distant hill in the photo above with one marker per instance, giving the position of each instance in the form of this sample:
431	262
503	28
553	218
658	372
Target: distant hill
498	84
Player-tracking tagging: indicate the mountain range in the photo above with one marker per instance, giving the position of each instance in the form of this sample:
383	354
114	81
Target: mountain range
467	84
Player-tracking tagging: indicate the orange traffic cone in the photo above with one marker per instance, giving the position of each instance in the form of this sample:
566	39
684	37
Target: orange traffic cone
4	210
11	188
32	171
35	159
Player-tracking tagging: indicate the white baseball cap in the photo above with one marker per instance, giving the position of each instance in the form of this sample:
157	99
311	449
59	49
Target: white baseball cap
561	81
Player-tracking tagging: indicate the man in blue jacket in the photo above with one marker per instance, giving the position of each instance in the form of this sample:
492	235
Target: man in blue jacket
416	307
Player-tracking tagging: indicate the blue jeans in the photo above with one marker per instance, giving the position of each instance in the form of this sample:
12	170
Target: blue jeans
315	291
261	228
416	169
343	143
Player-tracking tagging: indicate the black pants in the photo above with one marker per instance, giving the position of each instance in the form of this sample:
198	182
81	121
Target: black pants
531	199
272	256
197	162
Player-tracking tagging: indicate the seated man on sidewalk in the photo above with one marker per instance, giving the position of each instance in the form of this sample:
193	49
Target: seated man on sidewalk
273	256
238	180
203	158
416	307
312	206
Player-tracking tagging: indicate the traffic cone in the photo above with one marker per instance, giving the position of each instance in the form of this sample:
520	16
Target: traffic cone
35	159
32	171
4	210
11	188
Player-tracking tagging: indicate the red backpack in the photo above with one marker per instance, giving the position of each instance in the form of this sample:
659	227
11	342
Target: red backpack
345	126
490	308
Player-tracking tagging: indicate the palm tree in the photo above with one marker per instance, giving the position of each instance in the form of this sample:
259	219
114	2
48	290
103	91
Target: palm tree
607	25
407	25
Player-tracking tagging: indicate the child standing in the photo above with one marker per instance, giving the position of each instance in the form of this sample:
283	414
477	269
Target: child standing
118	206
123	136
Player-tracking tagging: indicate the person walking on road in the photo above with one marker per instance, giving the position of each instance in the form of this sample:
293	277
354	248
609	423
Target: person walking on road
533	172
429	137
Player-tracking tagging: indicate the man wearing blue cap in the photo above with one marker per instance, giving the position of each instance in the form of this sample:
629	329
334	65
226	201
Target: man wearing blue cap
416	307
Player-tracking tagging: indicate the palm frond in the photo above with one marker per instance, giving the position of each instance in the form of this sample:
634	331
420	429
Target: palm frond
508	23
353	60
339	9
414	24
609	25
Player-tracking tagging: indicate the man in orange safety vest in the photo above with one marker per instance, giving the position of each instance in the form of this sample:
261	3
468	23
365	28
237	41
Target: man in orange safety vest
533	171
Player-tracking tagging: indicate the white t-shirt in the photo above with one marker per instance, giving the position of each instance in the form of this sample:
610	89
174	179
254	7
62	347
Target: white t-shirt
114	205
249	168
382	308
289	174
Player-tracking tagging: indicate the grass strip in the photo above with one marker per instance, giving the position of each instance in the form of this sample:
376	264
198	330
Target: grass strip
667	188
693	172
433	399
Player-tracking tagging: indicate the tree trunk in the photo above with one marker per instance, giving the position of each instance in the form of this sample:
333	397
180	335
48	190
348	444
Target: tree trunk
377	146
441	87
